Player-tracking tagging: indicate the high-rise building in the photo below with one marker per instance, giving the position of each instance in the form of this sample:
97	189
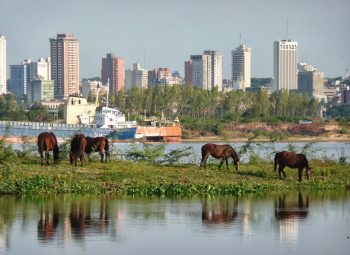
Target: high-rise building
39	90
20	79
136	77
285	59
207	70
3	65
188	72
64	51
40	69
310	81
113	71
241	66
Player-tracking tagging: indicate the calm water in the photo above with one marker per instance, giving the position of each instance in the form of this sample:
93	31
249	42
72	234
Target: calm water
286	223
320	150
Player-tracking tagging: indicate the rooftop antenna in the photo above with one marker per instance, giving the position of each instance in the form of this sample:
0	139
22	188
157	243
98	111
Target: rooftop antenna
287	30
347	72
144	59
240	39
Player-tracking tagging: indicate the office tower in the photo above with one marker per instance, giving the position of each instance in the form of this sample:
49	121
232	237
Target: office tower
3	65
241	66
136	77
64	51
39	90
310	81
113	71
20	79
207	70
188	72
285	58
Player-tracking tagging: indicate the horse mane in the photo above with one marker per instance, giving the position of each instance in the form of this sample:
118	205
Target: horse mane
233	152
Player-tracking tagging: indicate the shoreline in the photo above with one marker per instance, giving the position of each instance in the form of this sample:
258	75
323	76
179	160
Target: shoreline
203	139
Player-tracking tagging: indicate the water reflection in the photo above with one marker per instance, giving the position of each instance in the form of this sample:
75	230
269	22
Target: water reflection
290	209
75	224
219	211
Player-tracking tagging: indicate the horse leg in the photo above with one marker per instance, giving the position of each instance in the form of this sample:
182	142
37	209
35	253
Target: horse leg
280	170
41	158
227	164
300	174
102	155
47	155
204	160
221	162
307	173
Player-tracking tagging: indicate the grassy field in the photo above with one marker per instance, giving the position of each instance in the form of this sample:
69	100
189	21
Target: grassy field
129	178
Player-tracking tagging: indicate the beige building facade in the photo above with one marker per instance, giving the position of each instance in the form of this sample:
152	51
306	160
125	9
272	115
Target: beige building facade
64	52
77	108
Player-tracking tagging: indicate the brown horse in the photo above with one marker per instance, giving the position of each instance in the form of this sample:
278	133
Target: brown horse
47	142
77	149
219	151
292	160
98	144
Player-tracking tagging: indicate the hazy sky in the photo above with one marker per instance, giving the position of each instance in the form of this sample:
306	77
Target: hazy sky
165	33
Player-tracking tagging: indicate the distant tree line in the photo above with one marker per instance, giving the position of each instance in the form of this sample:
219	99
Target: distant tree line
10	109
187	102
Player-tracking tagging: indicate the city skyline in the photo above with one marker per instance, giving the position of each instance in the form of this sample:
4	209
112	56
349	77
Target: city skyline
132	31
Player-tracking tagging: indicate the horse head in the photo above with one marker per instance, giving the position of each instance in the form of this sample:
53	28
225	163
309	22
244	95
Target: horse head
235	158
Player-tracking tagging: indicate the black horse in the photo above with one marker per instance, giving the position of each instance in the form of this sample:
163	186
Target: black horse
223	152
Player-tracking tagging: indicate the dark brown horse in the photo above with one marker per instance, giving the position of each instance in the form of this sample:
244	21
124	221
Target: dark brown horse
47	142
292	160
98	144
77	149
219	151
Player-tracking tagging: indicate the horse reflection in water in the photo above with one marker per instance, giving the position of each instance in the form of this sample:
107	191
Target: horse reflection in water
289	212
47	224
222	211
291	208
82	219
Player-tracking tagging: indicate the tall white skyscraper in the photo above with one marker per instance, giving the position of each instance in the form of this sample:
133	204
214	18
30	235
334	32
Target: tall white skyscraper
207	70
285	59
3	65
241	66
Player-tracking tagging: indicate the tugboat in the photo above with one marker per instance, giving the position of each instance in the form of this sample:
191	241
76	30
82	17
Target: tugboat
157	130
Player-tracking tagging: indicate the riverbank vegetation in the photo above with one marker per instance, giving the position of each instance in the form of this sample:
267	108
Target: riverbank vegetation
154	172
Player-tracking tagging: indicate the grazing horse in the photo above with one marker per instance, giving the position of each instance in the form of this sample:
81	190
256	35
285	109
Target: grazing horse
47	142
98	144
292	160
77	149
219	151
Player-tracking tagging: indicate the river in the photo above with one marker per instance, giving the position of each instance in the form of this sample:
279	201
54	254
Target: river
277	223
319	150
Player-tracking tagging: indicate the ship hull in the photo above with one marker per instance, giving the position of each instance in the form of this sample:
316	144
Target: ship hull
32	129
166	134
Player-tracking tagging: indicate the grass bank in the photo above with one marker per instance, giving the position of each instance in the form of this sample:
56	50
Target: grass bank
129	178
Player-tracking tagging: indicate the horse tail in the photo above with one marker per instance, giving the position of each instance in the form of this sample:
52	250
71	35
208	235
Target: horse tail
41	143
276	161
80	147
107	148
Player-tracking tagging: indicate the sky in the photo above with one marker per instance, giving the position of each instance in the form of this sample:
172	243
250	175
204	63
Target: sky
164	33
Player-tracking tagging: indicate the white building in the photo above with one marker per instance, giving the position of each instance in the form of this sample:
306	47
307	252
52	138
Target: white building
285	59
88	87
136	77
3	65
207	70
241	67
40	69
